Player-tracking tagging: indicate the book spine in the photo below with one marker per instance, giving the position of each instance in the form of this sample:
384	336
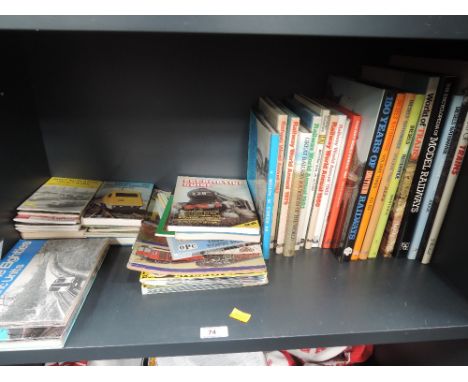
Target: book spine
313	234
379	170
282	124
288	169
443	158
422	174
335	206
402	147
452	177
371	163
300	165
398	208
335	162
310	184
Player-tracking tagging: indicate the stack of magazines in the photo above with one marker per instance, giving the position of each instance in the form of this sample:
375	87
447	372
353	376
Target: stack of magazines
43	284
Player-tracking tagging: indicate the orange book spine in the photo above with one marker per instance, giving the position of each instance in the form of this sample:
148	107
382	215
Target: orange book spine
384	153
355	123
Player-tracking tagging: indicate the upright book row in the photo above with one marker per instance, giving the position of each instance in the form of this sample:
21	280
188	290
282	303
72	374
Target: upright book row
368	169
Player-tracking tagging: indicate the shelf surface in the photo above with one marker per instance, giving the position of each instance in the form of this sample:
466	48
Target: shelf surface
312	300
434	27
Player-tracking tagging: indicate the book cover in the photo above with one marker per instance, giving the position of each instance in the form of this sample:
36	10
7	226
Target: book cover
213	205
452	177
392	175
161	227
62	195
374	105
340	201
288	169
118	203
43	284
423	170
279	120
311	121
181	249
261	172
448	138
402	102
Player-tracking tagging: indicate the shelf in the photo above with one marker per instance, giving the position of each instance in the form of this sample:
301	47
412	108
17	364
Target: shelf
433	27
312	300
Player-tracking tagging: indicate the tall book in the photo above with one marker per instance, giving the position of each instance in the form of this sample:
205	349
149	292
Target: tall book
374	105
423	169
448	142
395	164
287	177
261	172
279	121
379	170
297	190
452	177
340	197
311	121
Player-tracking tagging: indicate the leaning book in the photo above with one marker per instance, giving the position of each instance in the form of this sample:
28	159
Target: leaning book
43	284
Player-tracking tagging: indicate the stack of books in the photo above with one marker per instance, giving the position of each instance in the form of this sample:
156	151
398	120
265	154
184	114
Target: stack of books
116	211
218	247
367	169
55	209
43	285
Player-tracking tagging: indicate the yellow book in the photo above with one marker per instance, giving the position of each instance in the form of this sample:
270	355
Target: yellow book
396	175
379	169
386	176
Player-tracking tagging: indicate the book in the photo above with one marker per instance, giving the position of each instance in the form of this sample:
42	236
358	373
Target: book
392	175
261	172
311	121
448	139
340	196
161	227
423	169
31	218
62	195
402	102
213	205
286	180
43	284
181	249
374	105
279	120
118	204
452	177
412	82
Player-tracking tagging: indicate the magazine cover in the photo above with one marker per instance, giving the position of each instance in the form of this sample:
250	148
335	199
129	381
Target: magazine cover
261	172
213	205
42	282
118	203
62	195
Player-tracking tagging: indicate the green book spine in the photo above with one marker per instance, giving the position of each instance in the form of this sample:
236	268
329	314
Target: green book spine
161	229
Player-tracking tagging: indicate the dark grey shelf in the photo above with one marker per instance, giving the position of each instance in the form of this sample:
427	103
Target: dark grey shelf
426	27
312	300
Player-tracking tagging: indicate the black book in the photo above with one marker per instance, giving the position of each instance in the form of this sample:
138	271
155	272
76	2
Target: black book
423	168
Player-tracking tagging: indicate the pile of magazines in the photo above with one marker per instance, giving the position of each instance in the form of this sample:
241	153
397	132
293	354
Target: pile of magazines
171	264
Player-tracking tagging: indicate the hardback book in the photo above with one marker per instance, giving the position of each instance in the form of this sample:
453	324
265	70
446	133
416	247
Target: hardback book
311	121
403	102
119	204
448	140
287	176
43	284
279	120
374	105
452	177
213	205
62	195
423	168
261	172
297	190
340	197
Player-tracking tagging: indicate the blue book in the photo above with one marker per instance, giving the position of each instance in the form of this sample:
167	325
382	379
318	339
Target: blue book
261	172
182	249
437	168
